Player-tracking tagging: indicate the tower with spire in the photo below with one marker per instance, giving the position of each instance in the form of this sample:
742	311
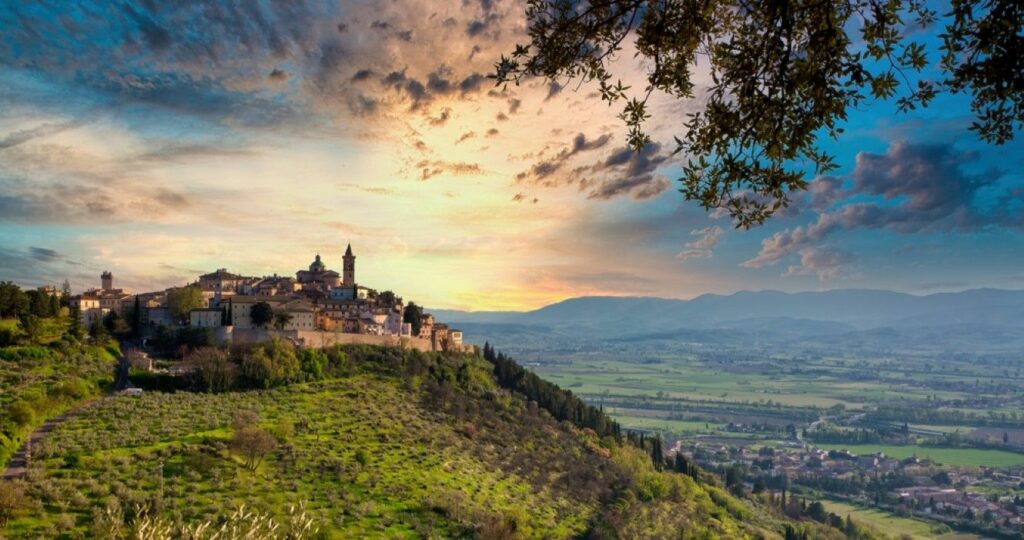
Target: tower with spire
348	271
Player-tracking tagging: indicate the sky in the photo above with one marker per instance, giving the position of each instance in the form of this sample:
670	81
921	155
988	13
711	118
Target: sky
164	139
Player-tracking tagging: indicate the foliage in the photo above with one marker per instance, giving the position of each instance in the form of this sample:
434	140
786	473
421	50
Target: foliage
261	314
182	300
562	404
397	443
12	500
39	382
281	319
31	326
413	315
13	301
783	74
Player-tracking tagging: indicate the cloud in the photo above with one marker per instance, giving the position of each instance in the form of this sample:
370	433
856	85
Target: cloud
429	169
44	254
629	172
465	136
826	263
909	189
703	246
43	130
543	169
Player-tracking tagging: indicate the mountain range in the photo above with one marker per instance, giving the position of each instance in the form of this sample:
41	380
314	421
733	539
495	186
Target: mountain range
989	315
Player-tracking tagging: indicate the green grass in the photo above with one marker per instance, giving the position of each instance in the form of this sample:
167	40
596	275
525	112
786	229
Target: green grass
956	457
884	522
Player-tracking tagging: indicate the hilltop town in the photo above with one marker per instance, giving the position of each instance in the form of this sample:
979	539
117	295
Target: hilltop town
318	306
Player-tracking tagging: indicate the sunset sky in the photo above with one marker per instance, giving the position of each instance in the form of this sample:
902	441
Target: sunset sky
163	139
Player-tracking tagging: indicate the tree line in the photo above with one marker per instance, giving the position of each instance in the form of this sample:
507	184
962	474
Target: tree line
561	403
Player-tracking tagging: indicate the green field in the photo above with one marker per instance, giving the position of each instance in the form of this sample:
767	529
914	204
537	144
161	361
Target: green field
957	457
889	524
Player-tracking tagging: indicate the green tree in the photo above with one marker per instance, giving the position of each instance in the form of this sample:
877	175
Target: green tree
75	329
135	318
116	325
281	319
97	331
784	74
65	293
262	314
413	315
32	326
12	500
253	443
183	300
13	300
213	370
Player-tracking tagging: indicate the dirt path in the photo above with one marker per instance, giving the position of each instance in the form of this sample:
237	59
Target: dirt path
17	467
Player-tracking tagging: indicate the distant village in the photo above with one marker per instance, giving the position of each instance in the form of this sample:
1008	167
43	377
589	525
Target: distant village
318	306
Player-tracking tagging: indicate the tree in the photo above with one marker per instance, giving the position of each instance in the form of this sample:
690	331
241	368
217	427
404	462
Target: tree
135	318
213	370
116	325
97	331
183	300
783	75
253	443
261	314
414	316
75	329
65	293
281	319
31	325
12	499
13	300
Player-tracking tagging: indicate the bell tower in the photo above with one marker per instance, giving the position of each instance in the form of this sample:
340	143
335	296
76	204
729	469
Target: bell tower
348	268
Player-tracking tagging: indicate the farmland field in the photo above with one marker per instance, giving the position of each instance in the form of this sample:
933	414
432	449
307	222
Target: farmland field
894	526
969	457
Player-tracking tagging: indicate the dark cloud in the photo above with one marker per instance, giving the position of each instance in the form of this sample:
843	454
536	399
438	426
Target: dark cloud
825	263
543	169
513	105
472	83
909	189
626	171
623	172
492	132
44	254
429	169
157	37
277	75
475	28
362	75
553	90
44	130
465	136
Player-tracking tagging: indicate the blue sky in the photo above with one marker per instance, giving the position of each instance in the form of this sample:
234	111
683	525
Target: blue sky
163	139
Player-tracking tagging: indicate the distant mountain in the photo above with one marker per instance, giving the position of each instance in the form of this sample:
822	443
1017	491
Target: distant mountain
755	315
861	308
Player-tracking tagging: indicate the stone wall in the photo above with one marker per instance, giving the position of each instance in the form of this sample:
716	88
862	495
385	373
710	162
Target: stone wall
314	338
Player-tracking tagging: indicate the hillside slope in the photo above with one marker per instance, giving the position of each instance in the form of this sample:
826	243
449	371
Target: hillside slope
395	444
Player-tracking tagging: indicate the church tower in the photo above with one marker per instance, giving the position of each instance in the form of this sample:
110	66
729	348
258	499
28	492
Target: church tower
348	268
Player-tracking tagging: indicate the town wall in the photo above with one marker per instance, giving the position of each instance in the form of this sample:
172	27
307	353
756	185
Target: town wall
315	338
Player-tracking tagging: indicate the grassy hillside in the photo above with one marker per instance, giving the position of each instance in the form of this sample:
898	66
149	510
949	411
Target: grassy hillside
395	444
38	382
